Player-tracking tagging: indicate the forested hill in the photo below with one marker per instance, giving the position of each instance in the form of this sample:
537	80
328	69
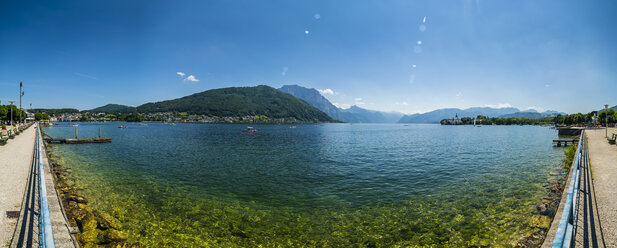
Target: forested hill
114	108
238	102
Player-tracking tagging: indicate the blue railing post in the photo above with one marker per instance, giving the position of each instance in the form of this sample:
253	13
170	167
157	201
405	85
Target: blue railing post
46	235
567	223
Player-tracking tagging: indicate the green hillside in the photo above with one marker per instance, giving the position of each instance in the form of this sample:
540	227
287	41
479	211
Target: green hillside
114	108
238	102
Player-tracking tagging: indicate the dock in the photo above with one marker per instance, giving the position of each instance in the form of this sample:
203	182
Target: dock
565	142
78	141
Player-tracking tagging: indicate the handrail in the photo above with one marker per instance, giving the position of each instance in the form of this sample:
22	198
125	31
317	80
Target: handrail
567	223
46	235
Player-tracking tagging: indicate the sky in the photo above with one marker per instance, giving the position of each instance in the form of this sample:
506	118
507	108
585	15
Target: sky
406	56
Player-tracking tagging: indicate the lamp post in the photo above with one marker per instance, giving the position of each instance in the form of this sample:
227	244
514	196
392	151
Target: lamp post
21	93
11	102
606	121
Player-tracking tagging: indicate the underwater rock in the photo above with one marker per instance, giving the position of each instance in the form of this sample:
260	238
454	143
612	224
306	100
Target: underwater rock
111	236
78	213
89	236
107	221
76	198
532	239
541	221
89	224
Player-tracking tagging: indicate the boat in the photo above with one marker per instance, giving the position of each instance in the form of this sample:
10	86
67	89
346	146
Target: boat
292	126
172	124
122	127
249	129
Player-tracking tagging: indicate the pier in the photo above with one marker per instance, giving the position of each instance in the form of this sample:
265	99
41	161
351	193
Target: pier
565	142
78	141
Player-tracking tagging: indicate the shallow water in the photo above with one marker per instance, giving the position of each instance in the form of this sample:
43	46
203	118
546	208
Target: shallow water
315	185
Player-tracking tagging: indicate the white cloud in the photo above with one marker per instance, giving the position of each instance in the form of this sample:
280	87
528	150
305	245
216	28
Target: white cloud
459	94
326	91
403	103
317	16
181	74
343	106
500	105
535	108
191	78
284	72
358	99
547	85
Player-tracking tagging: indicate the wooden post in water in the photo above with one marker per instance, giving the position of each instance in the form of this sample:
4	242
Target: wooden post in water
76	133
99	132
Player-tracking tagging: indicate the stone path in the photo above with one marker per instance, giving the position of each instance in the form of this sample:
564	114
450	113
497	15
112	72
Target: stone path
15	161
603	160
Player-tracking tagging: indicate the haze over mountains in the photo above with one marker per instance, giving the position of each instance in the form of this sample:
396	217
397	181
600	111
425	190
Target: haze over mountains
305	104
354	114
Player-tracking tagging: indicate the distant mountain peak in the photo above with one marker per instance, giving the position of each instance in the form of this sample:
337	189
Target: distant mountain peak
352	114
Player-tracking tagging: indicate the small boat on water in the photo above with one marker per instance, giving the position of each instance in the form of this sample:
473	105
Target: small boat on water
292	126
249	129
172	124
122	127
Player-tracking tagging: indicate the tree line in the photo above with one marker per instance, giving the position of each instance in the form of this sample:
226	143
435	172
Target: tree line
577	119
5	113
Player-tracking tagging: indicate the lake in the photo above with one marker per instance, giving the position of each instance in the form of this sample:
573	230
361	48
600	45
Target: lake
323	185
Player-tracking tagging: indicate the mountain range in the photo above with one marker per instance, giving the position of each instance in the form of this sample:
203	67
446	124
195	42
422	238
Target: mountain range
354	114
304	104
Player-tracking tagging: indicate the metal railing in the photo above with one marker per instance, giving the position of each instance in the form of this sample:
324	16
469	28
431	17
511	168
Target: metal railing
567	223
46	235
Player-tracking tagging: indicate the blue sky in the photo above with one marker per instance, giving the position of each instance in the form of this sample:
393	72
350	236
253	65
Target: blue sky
526	54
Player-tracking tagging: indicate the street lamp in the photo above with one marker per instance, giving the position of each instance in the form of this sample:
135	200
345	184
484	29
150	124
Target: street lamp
21	93
11	102
606	120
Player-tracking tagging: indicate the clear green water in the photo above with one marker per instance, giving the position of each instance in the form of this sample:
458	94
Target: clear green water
324	185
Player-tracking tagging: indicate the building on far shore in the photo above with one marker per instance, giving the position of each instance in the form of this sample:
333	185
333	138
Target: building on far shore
454	121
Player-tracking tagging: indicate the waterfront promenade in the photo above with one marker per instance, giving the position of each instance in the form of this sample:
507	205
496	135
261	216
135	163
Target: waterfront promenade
19	184
596	218
603	165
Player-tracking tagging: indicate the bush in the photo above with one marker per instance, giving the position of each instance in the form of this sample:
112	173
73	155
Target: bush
570	153
3	126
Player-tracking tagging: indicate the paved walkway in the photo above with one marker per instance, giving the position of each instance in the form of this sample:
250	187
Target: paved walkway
603	160
15	161
19	189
